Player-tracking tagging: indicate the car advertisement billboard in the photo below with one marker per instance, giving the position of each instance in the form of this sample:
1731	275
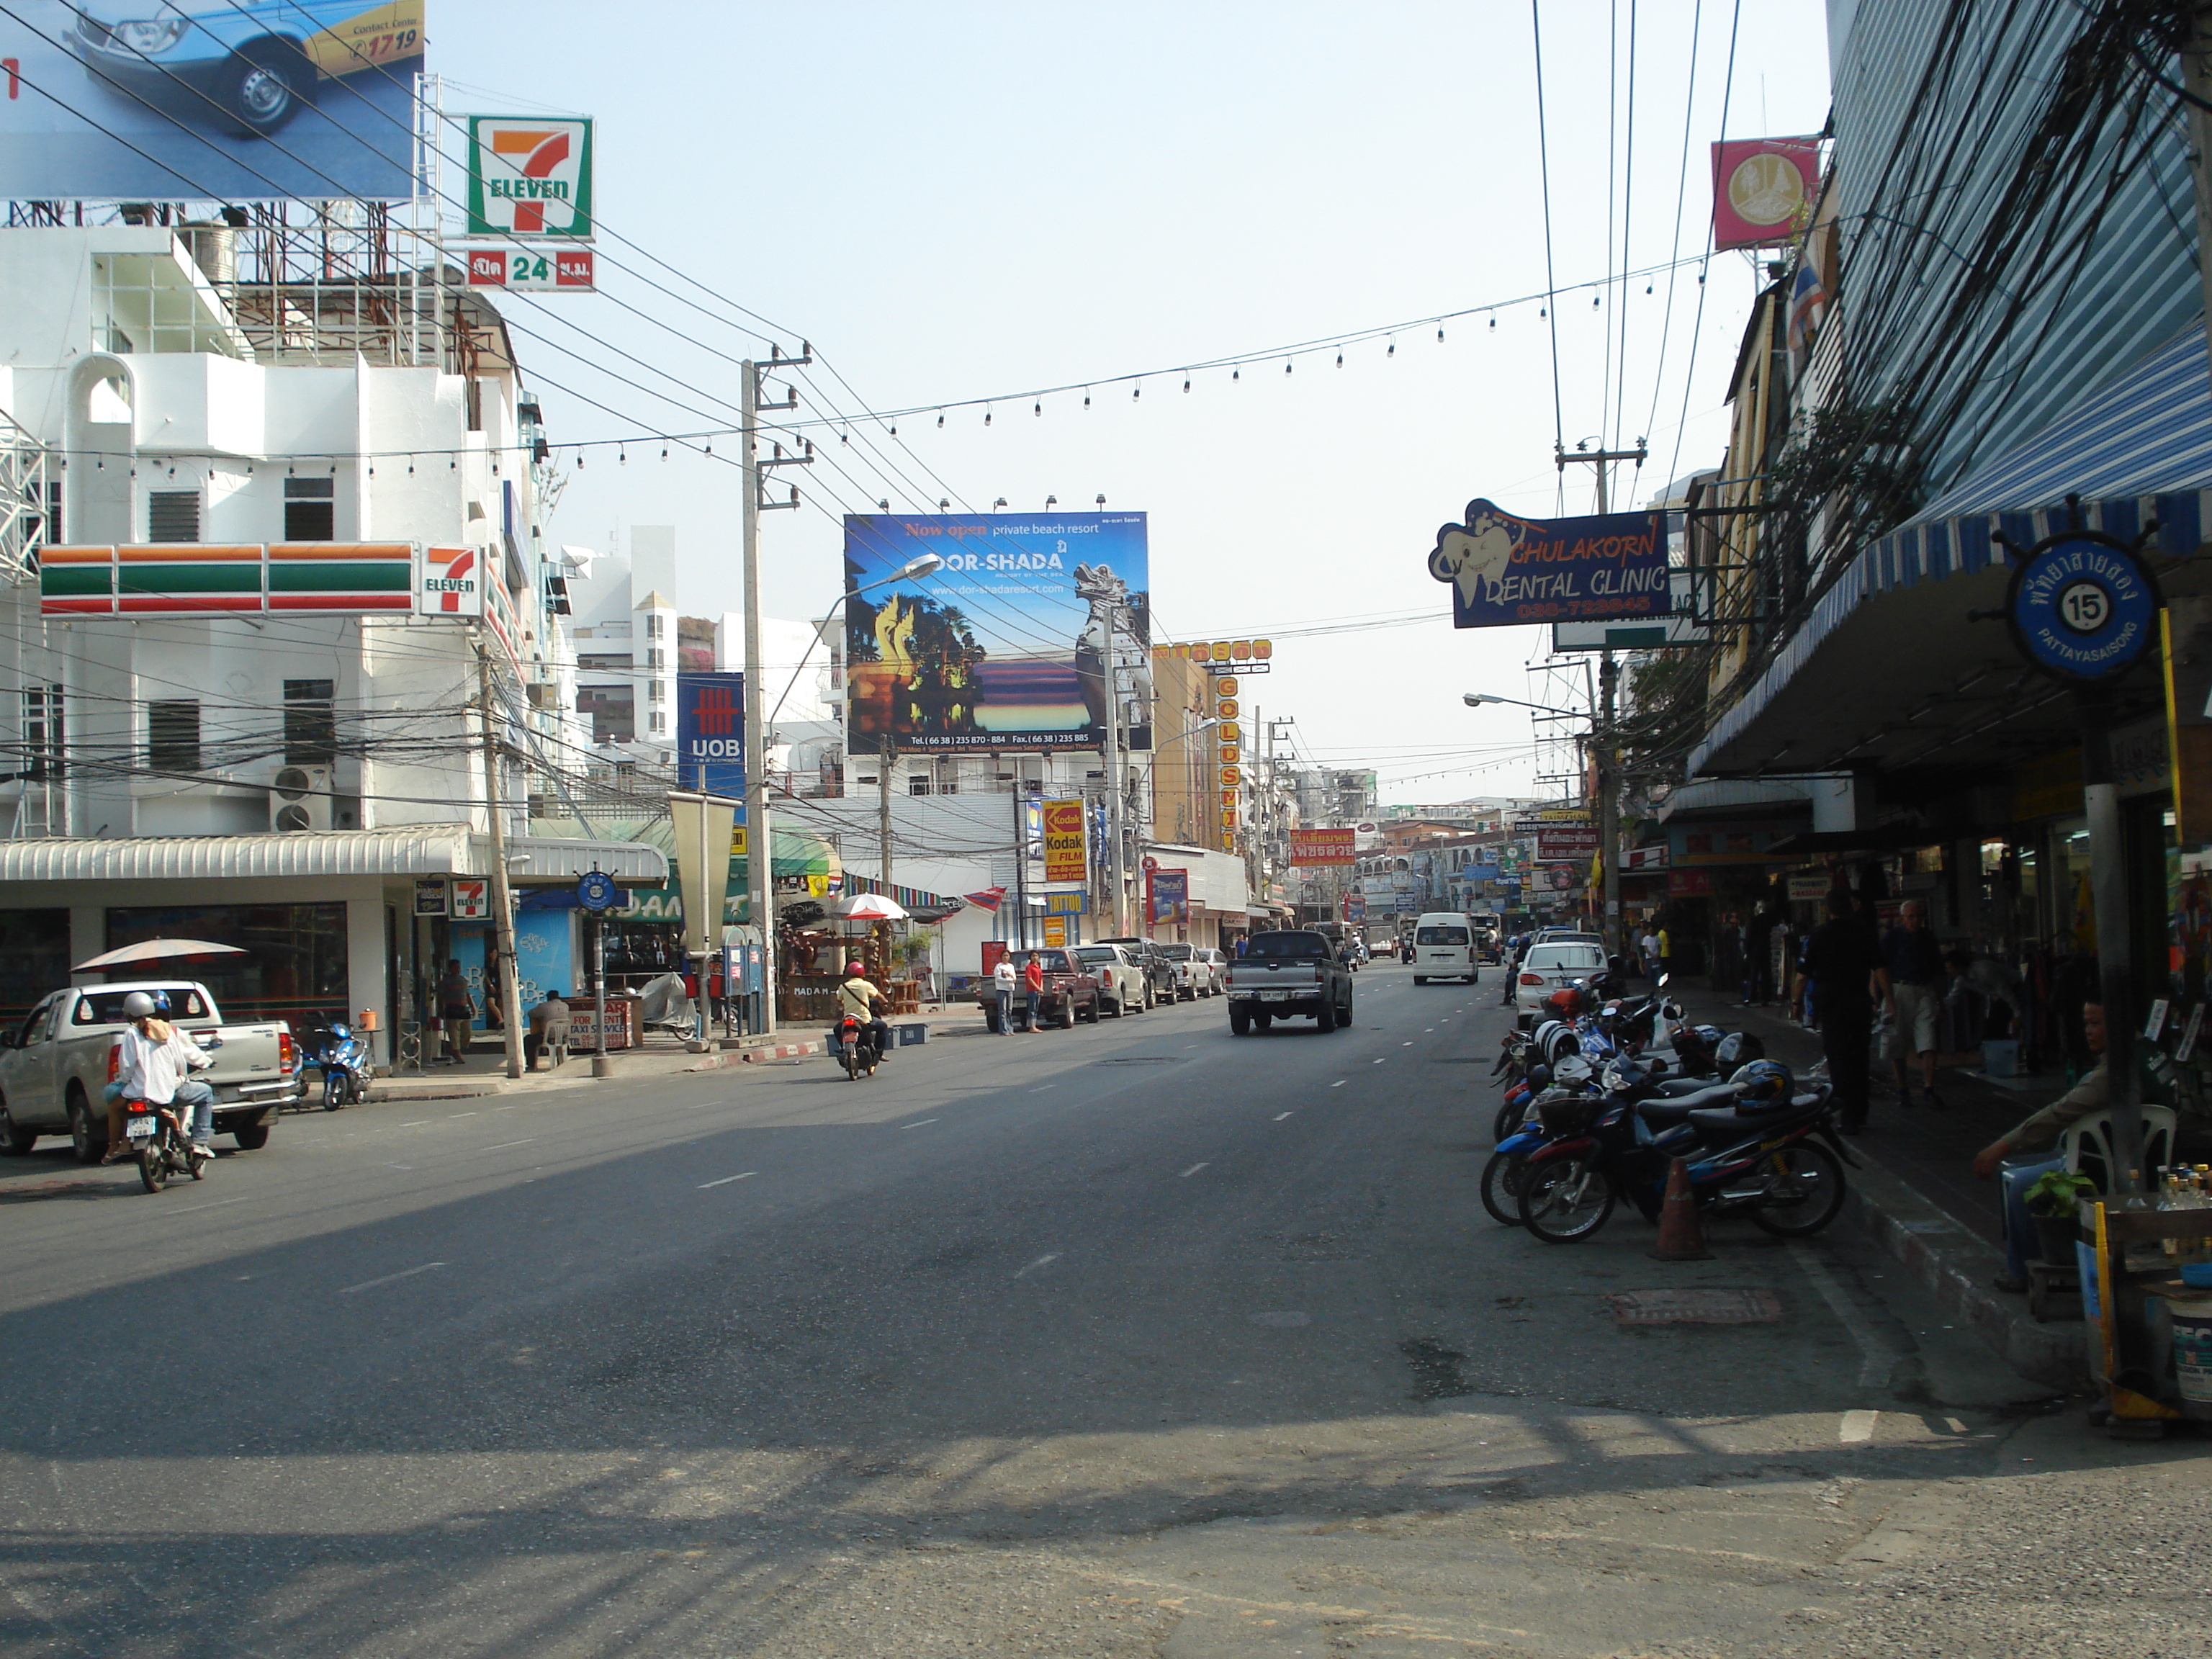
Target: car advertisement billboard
1506	570
710	734
236	101
1004	646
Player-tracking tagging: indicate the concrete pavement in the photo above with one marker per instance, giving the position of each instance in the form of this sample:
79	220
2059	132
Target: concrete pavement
1138	1339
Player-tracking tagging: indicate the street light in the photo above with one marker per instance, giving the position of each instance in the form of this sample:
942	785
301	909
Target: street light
1476	699
760	837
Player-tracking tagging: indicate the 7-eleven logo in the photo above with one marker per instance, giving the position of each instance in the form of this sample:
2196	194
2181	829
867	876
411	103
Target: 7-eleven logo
529	176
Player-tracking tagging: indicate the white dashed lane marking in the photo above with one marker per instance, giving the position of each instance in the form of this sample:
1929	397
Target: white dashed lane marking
726	1179
390	1278
1191	1172
1279	1117
917	1123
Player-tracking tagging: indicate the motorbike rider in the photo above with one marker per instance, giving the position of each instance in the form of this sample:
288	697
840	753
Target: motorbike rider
856	996
154	1065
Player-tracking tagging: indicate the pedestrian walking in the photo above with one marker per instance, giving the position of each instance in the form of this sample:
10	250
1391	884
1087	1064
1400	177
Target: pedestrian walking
456	1012
1844	967
1663	944
1033	982
1647	948
1002	988
1914	963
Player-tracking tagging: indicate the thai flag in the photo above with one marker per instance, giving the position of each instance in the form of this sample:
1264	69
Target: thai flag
988	899
1806	292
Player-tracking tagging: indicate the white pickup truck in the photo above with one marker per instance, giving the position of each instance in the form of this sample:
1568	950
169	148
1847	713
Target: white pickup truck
55	1065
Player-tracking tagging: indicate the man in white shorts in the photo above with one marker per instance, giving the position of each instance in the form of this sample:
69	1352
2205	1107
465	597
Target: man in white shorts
1917	984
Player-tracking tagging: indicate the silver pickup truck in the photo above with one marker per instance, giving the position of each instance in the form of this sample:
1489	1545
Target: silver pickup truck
1291	972
56	1063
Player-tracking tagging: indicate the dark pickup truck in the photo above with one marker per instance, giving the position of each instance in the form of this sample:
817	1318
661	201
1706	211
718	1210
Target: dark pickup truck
1070	993
1293	971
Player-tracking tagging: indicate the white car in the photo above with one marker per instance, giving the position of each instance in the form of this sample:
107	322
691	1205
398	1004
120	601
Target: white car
1195	976
1547	967
1121	977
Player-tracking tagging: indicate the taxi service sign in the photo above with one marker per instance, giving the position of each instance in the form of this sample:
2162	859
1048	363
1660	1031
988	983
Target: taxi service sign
2081	607
1066	856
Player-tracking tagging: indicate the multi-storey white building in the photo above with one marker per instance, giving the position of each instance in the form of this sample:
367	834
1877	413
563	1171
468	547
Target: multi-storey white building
291	535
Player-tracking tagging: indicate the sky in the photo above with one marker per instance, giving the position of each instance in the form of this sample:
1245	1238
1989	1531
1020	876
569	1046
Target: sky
955	203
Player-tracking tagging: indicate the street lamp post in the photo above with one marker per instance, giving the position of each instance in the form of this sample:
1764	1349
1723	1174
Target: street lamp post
1608	797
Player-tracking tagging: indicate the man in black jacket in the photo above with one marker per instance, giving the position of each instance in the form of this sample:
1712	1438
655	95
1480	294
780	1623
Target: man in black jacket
1844	964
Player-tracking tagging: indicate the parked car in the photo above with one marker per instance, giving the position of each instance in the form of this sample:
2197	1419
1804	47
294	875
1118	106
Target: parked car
1550	964
1070	994
56	1061
1121	988
1216	963
1194	975
1159	972
1293	971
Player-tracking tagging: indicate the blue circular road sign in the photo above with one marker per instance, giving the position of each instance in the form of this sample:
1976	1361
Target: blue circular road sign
597	891
2083	608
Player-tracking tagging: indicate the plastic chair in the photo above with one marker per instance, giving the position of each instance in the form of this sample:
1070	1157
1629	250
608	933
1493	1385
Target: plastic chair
2087	1145
557	1043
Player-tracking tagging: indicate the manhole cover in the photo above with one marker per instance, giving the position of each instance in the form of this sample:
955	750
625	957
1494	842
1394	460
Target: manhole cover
1143	1059
1695	1307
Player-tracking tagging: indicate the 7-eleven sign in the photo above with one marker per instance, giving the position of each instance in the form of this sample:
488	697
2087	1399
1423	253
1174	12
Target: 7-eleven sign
529	176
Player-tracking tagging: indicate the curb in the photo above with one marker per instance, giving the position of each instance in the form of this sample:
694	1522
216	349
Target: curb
1957	1268
767	1051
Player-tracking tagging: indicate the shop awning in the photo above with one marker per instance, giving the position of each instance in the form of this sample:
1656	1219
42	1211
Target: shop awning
428	850
1889	671
799	852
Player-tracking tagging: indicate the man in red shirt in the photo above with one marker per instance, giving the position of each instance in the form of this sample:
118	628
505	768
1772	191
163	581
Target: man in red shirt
1033	979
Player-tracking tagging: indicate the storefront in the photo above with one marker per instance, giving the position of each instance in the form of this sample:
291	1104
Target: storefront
332	924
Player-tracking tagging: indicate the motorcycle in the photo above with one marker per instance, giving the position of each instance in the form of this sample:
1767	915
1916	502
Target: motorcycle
1778	1158
854	1046
164	1150
344	1062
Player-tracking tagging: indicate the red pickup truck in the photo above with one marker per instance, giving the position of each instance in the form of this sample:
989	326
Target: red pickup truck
1070	992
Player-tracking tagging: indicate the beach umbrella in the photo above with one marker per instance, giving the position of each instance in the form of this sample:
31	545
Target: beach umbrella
159	949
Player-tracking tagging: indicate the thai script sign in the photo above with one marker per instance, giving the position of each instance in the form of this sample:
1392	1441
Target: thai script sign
1506	570
1066	856
1322	847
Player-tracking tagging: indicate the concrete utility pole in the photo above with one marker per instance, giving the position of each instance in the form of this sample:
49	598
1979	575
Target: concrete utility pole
760	833
502	901
883	778
1602	738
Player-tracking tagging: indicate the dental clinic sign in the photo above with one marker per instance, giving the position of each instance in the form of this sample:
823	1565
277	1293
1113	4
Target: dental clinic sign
529	175
1506	570
2082	606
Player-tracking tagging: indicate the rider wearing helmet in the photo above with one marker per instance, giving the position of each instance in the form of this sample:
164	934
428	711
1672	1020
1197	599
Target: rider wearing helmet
858	997
155	1064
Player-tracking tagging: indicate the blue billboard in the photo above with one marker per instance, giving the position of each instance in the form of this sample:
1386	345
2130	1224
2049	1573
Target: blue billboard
240	101
1506	571
1007	645
710	734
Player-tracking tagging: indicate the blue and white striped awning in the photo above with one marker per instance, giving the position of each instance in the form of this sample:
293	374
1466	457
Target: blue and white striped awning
2137	451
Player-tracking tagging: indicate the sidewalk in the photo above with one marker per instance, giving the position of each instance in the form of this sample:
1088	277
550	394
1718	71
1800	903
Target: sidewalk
485	1072
1917	1195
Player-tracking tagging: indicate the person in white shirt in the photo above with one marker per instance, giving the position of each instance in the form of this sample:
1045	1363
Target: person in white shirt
155	1064
1003	982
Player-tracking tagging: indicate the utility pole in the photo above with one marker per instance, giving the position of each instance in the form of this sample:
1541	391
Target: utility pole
883	806
1117	785
1602	738
502	902
760	834
1021	861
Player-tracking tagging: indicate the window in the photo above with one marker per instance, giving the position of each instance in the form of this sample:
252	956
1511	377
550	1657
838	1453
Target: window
1572	958
1441	936
45	735
172	736
311	509
652	625
658	692
1287	947
311	735
917	783
660	722
172	515
655	659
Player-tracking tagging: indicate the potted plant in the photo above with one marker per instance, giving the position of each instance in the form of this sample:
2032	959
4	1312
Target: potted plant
2053	1202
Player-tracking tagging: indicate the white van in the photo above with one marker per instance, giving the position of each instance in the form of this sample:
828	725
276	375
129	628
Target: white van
1444	946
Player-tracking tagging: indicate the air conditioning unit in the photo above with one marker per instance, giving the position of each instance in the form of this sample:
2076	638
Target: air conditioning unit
300	799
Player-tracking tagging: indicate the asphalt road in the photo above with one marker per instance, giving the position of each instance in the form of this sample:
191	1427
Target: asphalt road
1139	1339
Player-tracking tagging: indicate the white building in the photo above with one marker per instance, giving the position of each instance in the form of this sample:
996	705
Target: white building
292	531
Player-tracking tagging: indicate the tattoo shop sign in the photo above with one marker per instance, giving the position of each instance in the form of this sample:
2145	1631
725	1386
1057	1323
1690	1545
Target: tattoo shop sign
1506	570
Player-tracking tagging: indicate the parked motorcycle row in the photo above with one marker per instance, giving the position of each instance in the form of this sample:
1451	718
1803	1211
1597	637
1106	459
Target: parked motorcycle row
1603	1095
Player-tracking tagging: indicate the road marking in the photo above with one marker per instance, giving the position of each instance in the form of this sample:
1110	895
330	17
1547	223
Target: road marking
1876	1358
390	1278
1378	1059
1039	1089
504	1144
1041	1261
1191	1172
726	1179
917	1125
188	1208
400	1166
463	1113
418	1123
1339	1082
1279	1117
1855	1427
1407	1043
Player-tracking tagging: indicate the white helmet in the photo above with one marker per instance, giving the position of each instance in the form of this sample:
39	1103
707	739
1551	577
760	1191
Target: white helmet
138	1005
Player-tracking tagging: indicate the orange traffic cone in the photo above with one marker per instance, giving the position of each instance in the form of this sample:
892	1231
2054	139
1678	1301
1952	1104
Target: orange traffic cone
1682	1230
